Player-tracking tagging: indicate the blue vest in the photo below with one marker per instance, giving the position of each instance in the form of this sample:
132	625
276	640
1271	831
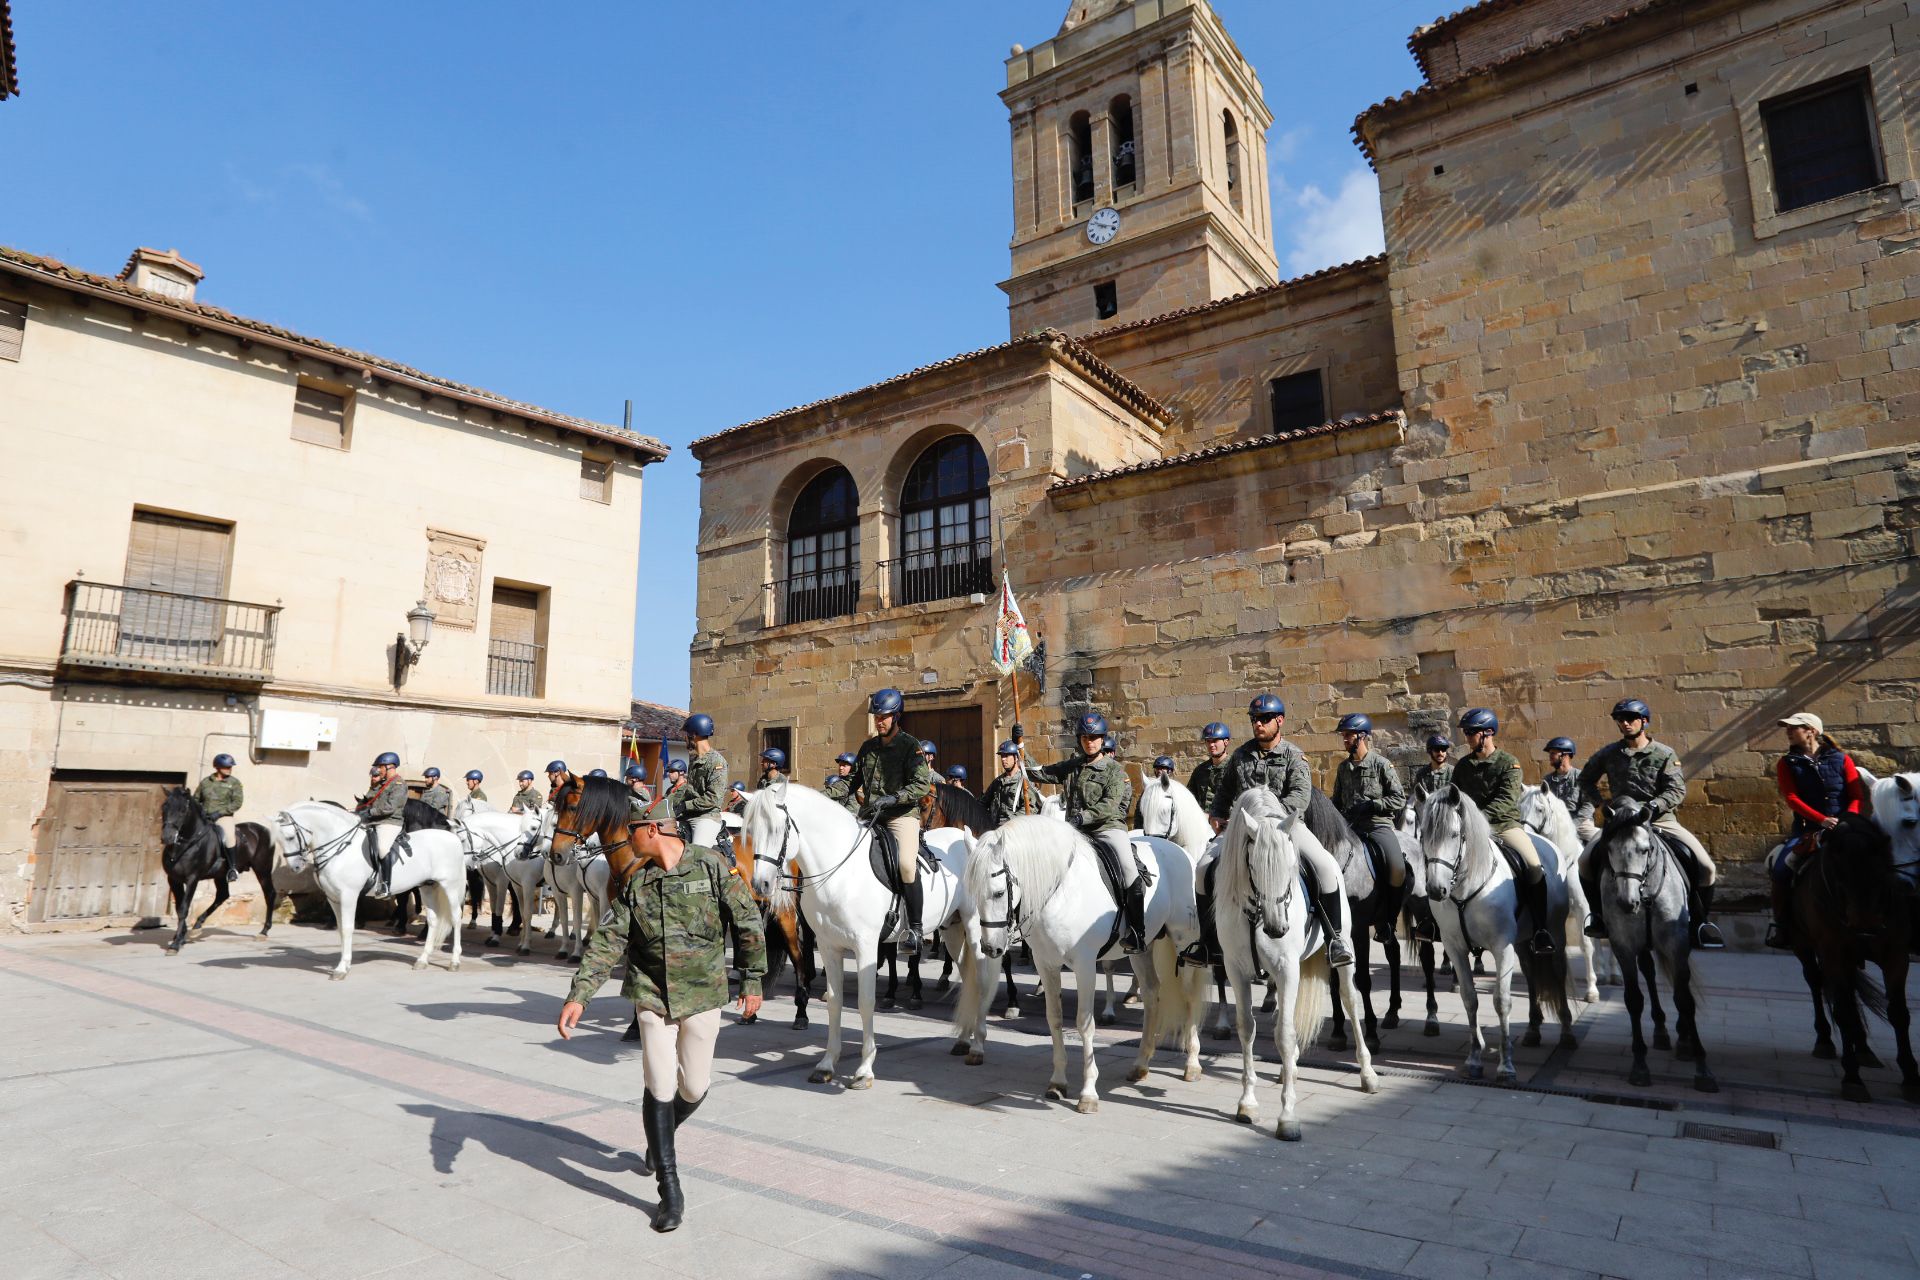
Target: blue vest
1821	781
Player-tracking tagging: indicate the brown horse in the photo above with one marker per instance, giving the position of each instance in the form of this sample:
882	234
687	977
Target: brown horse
789	936
1850	907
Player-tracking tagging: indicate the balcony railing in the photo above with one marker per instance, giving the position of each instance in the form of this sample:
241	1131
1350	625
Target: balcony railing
168	633
806	597
513	670
940	574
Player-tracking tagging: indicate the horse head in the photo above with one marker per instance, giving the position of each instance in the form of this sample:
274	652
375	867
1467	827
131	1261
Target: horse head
1905	809
1629	848
1444	839
989	883
1258	861
589	808
179	815
767	825
1533	808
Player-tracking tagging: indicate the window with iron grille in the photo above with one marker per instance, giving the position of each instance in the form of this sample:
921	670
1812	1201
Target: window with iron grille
516	658
1822	142
823	550
946	524
596	479
13	327
1297	400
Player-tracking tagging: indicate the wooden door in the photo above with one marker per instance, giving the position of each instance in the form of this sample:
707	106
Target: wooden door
958	733
102	857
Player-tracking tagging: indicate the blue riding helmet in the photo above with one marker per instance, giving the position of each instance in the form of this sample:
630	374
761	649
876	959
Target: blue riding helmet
1358	722
928	749
1439	742
1562	744
676	766
387	757
431	772
1632	709
1008	749
1163	762
557	766
1110	744
1479	720
223	761
845	757
775	757
526	775
741	787
1216	732
474	775
887	702
635	772
956	773
1266	705
697	726
1092	725
596	773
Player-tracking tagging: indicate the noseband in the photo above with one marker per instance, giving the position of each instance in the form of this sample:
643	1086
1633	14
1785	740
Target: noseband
1003	872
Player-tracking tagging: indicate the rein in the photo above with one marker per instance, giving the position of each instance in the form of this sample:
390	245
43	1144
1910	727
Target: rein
802	880
319	855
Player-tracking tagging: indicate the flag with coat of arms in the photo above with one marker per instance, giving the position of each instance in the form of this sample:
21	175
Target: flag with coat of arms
1011	643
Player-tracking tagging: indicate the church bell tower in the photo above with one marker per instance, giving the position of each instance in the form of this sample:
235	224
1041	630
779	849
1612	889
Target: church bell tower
1139	167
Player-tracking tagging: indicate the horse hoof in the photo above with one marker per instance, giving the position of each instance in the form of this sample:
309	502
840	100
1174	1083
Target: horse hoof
748	1019
941	987
1854	1091
1531	1038
1057	1091
632	1034
800	1023
525	951
1136	1075
1245	1116
820	1076
1220	1033
491	942
1391	1022
170	950
1337	1041
1638	1076
1105	1020
913	1002
336	976
860	1082
1190	1074
418	965
1869	1059
1373	1044
1824	1049
552	932
976	1059
1567	1040
1431	1029
1910	1090
1685	1052
958	1050
1087	1106
1507	1075
1267	1005
1369	1082
1704	1083
1476	1072
453	966
1661	1040
1288	1131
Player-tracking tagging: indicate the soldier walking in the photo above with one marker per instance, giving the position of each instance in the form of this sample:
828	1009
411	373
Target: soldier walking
220	796
667	923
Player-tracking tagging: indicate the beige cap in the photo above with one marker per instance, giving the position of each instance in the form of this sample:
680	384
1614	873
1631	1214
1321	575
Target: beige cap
1805	720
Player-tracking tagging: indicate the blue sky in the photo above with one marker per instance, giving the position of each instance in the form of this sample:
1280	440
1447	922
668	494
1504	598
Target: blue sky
716	210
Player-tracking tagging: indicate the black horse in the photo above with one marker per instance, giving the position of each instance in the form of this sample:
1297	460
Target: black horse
952	806
192	851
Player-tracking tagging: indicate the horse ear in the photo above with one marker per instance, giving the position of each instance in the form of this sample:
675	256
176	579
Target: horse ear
1453	795
1903	782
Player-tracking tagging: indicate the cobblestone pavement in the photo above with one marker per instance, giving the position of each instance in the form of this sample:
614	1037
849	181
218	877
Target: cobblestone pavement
229	1112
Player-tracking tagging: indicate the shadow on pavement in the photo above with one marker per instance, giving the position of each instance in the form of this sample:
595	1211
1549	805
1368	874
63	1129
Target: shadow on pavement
557	1151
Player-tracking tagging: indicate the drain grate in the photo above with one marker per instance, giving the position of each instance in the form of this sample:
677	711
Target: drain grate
1730	1134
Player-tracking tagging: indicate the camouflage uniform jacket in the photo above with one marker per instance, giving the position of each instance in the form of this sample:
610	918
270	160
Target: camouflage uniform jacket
892	767
1566	786
439	799
1650	775
840	791
1094	788
667	926
706	789
1368	792
1002	797
1494	785
220	797
385	803
1427	779
1283	771
1205	781
527	800
479	795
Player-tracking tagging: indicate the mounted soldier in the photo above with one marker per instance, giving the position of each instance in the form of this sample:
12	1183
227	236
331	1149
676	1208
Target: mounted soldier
1490	778
220	796
1819	782
556	778
1096	791
1207	776
1561	778
676	790
1367	792
1636	766
1437	772
639	797
436	796
1267	760
383	810
526	799
473	780
1110	749
773	766
957	776
1003	797
705	796
840	786
893	779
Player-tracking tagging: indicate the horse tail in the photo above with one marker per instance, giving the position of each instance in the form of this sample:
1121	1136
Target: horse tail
1872	996
1547	978
1174	1007
1313	1000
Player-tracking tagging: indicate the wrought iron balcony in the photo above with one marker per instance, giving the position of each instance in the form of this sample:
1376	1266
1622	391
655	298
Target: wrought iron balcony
168	634
942	573
513	670
808	597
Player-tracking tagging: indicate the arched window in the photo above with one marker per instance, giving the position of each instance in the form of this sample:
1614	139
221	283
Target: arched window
1232	132
946	531
1080	156
823	550
1125	157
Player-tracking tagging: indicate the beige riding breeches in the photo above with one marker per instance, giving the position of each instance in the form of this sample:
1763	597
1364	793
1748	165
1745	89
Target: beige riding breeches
384	834
226	828
905	831
706	829
678	1055
1590	834
1516	839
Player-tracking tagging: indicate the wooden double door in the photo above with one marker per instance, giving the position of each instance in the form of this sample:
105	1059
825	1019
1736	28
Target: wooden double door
99	850
960	735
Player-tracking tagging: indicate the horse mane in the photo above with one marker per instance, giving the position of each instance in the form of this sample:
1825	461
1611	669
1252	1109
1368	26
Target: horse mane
1557	824
1030	849
424	816
962	808
1189	819
1331	828
1476	854
603	806
1255	814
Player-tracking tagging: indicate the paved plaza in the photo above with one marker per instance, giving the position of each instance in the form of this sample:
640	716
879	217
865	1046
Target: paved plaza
230	1112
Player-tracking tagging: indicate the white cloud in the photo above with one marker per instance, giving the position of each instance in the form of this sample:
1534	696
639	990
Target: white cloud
1287	145
1322	230
306	182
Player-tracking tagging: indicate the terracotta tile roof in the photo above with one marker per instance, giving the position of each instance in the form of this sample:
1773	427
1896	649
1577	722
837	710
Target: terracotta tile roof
1069	350
656	722
1268	441
1266	290
9	71
1424	38
1427	92
59	275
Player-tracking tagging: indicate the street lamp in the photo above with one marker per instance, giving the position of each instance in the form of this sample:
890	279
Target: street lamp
411	643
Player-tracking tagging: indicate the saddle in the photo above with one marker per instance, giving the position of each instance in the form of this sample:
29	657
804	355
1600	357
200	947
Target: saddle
1207	950
886	867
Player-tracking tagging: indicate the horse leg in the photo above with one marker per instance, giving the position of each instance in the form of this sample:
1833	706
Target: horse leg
1347	993
343	910
1504	965
219	896
1144	975
1084	977
1637	1074
1391	948
1013	1009
835	963
264	874
1470	998
1432	1027
1362	975
1283	985
799	953
1249	1108
1337	1036
523	897
1107	1016
890	953
1846	1012
914	992
1661	1040
182	891
867	973
450	891
1822	1029
1057	1082
1893	971
1532	1035
1222	1027
430	908
1680	974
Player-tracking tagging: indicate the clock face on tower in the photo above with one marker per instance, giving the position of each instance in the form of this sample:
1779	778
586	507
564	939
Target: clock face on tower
1103	226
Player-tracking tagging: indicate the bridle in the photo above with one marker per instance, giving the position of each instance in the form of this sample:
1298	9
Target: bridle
303	847
1453	875
579	838
778	861
1000	871
1173	813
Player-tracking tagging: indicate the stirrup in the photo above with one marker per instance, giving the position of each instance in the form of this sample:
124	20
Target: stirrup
1543	942
1339	954
1706	937
910	941
1596	927
1777	936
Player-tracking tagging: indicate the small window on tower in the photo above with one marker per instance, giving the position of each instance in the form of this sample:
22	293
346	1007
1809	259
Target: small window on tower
1822	142
1232	133
1080	156
1120	122
1299	401
1106	300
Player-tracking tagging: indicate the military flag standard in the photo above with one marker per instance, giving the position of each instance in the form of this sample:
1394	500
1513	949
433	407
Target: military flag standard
1011	643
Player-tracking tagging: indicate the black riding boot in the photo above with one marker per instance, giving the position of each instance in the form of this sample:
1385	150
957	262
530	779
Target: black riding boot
1133	906
1590	885
657	1117
912	899
1339	951
1424	928
681	1110
1533	897
1706	934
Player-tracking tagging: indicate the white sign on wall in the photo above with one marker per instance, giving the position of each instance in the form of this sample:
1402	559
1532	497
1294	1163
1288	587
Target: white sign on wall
329	728
290	730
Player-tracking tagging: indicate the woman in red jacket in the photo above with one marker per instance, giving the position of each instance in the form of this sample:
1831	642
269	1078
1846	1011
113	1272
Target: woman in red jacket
1819	782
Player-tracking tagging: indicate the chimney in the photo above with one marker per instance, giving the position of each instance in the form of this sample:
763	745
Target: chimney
163	272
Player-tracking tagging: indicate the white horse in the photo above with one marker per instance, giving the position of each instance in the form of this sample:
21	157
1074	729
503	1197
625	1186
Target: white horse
1896	811
580	885
1477	904
1260	913
805	844
1169	810
1043	876
505	849
1546	815
326	839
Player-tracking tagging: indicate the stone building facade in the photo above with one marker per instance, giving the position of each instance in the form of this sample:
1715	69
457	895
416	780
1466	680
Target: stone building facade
1628	406
213	532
